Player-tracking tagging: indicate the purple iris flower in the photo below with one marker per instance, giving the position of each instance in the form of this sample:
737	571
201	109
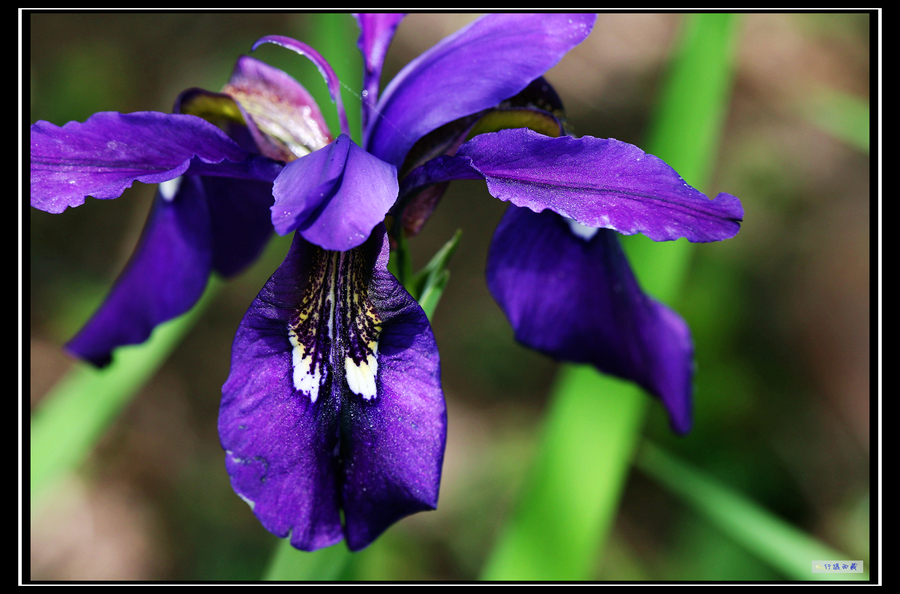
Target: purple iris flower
333	418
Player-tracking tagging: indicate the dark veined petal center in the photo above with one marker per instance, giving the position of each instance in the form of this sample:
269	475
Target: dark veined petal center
335	328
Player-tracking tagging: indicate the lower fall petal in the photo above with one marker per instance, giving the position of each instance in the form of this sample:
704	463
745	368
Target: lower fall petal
334	401
394	444
569	292
197	225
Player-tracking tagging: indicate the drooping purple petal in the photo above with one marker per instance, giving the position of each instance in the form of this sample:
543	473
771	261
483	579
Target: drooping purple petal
241	219
375	34
104	155
598	182
335	196
280	443
395	443
197	225
164	278
310	423
474	69
569	292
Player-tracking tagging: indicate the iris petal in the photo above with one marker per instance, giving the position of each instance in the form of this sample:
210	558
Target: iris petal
600	183
375	34
304	435
104	155
597	182
474	69
325	69
241	221
283	115
570	293
334	196
190	232
164	278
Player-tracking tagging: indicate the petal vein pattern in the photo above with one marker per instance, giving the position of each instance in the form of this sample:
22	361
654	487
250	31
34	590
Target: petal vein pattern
335	326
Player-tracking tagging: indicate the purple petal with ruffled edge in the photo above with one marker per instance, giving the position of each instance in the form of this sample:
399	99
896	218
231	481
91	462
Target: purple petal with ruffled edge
475	68
334	399
599	183
375	34
335	196
569	292
107	153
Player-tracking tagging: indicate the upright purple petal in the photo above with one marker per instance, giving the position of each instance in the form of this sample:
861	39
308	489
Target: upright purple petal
569	292
164	278
334	400
599	183
375	34
284	117
104	155
335	196
476	68
328	73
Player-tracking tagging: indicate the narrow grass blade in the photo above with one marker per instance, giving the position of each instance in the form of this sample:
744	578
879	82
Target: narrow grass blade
573	491
784	547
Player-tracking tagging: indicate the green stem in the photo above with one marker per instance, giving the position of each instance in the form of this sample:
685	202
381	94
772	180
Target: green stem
290	565
566	510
